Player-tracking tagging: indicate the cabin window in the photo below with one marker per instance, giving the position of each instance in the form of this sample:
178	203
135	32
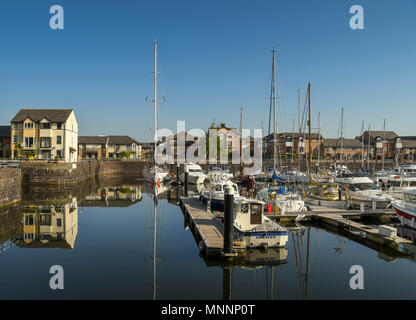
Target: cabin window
218	188
409	197
244	208
412	183
256	208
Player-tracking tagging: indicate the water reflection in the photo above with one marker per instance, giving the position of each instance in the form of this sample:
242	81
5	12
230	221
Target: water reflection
111	235
49	226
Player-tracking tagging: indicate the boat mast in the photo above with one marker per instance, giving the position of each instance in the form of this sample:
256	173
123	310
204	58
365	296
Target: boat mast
368	143
319	137
155	99
382	145
342	135
241	137
273	97
309	125
362	145
299	124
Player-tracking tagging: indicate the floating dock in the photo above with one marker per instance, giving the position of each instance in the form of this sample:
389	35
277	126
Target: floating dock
208	231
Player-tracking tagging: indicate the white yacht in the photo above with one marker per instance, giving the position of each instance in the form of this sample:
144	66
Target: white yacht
406	208
254	229
214	194
361	189
396	185
195	174
280	200
155	174
296	176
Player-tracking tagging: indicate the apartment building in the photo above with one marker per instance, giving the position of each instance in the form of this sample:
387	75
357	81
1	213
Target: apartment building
45	134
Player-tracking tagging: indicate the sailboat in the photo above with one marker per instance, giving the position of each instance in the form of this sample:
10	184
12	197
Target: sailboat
155	174
273	194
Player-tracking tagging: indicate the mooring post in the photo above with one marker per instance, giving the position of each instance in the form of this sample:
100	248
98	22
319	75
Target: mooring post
228	219
227	283
186	181
177	174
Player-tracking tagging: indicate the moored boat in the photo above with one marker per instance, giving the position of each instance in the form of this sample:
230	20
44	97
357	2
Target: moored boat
406	208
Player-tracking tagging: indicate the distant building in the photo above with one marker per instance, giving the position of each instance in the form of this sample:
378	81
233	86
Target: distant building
231	135
45	134
296	143
5	139
408	147
348	148
99	147
391	147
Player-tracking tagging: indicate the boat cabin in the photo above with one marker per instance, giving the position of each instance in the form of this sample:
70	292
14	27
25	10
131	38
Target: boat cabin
410	197
248	213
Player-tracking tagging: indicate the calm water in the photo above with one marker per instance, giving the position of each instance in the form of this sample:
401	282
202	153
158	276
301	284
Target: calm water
103	234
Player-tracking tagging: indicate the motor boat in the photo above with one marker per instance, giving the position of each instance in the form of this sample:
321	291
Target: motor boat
254	229
296	176
406	208
361	189
396	185
195	174
213	194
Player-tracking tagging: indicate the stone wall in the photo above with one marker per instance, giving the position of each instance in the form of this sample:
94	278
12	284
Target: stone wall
10	186
123	167
36	173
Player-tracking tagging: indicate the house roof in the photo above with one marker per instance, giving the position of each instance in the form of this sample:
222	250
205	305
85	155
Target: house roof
390	135
5	131
119	140
408	143
53	115
296	135
92	139
336	143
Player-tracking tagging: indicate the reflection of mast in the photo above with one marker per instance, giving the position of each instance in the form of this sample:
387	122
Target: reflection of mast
303	285
227	283
154	245
307	266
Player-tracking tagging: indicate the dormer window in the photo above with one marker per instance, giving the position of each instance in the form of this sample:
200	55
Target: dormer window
45	125
29	125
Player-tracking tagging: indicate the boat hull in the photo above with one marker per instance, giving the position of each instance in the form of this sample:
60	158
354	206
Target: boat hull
261	239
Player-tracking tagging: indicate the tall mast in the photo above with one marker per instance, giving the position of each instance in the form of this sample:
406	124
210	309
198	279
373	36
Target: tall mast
274	109
382	145
293	140
368	153
309	125
362	145
319	137
299	124
155	99
342	135
154	245
241	135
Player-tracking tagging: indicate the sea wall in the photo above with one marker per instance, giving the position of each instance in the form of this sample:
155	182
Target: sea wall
10	186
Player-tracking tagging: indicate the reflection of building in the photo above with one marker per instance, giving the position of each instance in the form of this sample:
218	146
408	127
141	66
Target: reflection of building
113	196
50	226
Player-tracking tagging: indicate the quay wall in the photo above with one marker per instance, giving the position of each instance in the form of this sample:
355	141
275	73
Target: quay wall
10	186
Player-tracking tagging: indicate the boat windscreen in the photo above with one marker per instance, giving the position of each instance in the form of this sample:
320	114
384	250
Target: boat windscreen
363	186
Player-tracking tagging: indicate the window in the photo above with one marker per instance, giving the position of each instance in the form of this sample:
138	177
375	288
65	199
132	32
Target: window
45	142
15	126
45	125
29	220
29	236
59	222
59	126
58	140
45	220
29	125
14	139
59	153
29	142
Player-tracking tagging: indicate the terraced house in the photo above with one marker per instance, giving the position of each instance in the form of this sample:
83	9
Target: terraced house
45	134
99	147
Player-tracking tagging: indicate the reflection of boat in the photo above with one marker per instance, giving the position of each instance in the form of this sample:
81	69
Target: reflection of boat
49	226
195	174
214	194
255	229
406	208
258	257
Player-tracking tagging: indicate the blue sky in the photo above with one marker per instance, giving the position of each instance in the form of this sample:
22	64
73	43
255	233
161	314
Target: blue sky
214	57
